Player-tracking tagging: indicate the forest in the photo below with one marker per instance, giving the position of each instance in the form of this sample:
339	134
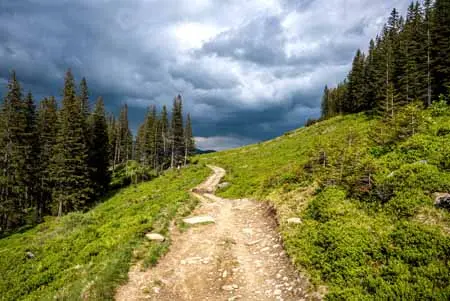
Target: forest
59	157
409	61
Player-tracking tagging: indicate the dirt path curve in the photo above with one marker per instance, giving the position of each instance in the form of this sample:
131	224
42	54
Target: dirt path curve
239	257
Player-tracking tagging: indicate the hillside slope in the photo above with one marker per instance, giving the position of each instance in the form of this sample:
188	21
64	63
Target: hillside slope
86	255
365	191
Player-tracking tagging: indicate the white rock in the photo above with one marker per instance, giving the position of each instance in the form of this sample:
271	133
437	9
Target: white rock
227	287
199	220
277	292
155	236
294	220
224	274
248	231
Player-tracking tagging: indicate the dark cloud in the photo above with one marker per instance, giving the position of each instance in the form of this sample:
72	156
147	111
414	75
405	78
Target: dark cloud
248	70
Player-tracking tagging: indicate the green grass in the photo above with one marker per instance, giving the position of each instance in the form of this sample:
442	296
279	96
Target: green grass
87	255
363	189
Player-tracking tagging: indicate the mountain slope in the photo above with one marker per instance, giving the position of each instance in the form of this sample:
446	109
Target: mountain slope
364	189
86	255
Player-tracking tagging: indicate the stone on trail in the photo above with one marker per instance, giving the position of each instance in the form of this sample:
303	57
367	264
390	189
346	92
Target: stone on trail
294	220
199	220
155	236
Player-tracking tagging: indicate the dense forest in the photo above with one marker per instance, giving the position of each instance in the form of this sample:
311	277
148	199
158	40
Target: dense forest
57	158
408	62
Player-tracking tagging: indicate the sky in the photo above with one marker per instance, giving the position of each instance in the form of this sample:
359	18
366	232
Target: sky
248	70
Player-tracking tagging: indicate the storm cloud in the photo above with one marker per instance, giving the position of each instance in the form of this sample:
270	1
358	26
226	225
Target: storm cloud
247	70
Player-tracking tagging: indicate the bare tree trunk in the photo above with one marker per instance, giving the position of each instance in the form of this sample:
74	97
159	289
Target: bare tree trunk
428	66
185	152
173	156
60	208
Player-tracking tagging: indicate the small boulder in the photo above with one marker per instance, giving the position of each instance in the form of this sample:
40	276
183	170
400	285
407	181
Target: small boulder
199	220
442	200
155	237
30	255
294	220
223	185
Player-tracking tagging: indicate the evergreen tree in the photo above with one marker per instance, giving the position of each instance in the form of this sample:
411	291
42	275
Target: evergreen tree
177	133
70	169
124	139
189	142
112	138
325	103
84	98
99	157
150	137
30	153
440	48
165	132
47	129
356	86
12	161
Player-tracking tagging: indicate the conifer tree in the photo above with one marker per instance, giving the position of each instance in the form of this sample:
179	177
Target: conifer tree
177	133
70	169
12	134
30	153
84	98
189	142
112	137
47	129
150	137
165	132
124	139
99	157
440	48
325	102
356	86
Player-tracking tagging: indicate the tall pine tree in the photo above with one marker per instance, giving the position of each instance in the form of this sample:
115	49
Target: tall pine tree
70	170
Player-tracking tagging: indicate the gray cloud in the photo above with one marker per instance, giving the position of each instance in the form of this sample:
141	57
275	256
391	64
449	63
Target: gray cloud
248	70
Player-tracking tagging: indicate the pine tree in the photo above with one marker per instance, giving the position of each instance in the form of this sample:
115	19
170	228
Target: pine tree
165	132
47	131
177	134
150	137
99	157
84	98
70	169
124	139
428	45
325	103
440	48
12	134
112	138
189	142
30	153
356	85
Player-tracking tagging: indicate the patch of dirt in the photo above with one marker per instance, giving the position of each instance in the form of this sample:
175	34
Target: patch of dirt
239	257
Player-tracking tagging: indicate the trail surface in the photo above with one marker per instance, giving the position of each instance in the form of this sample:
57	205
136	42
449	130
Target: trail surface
239	257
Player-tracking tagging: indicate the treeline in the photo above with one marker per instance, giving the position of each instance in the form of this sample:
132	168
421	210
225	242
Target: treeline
409	61
161	145
55	159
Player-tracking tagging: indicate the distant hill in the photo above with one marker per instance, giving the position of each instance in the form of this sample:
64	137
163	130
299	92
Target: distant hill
201	151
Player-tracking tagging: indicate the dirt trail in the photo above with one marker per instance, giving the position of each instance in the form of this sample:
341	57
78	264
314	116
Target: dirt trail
239	257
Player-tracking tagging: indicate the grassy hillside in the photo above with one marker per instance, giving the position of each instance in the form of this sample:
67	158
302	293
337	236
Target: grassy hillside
364	191
86	255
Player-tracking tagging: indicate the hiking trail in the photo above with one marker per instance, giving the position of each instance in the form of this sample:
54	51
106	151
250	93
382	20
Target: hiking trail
239	256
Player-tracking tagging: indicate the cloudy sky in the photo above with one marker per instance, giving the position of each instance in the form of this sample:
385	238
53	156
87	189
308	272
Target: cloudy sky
248	70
